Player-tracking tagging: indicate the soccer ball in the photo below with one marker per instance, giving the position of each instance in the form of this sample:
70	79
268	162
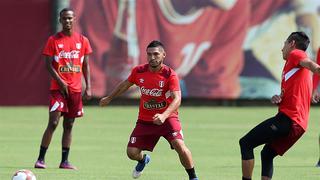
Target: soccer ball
23	174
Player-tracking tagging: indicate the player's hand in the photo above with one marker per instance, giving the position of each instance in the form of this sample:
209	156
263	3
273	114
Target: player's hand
87	94
159	119
276	99
315	97
105	101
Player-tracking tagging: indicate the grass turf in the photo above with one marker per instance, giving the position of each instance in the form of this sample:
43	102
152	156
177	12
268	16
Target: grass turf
100	139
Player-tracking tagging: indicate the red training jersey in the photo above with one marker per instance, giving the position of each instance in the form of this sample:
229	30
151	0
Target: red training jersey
155	88
296	89
68	53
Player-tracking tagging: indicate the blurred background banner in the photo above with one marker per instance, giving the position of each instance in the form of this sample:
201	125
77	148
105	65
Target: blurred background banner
221	49
25	27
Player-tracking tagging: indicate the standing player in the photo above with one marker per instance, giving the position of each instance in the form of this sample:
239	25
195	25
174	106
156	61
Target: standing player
280	132
158	112
66	56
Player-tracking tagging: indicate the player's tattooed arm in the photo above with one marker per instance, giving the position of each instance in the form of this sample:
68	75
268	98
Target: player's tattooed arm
311	65
120	89
315	68
86	75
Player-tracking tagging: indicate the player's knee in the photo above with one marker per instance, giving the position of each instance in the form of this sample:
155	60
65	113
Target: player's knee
67	126
243	143
53	125
246	149
267	154
133	154
178	145
53	121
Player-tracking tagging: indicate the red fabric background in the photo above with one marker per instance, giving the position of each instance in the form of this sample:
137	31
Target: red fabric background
25	27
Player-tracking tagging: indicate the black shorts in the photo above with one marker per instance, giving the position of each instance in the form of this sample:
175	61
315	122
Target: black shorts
279	132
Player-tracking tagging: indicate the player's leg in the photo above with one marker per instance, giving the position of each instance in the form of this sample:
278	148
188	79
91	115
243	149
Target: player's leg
183	152
172	132
141	138
136	154
66	143
75	109
185	157
46	138
247	168
265	132
267	156
56	108
51	127
247	144
67	137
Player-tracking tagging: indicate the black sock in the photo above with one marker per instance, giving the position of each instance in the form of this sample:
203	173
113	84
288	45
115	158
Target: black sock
65	154
243	178
191	172
42	153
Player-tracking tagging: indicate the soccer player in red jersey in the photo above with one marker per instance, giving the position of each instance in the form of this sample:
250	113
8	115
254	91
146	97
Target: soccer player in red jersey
66	56
280	132
158	112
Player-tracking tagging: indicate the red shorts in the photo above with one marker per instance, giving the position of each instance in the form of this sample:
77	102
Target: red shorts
71	107
281	145
146	134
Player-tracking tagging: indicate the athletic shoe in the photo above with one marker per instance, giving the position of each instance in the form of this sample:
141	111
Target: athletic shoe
194	179
137	171
67	165
318	164
40	164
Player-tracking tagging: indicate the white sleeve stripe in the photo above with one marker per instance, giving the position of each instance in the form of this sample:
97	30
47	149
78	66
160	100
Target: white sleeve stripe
290	73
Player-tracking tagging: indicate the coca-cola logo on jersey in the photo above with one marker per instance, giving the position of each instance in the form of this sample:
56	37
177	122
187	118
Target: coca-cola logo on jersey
70	55
151	92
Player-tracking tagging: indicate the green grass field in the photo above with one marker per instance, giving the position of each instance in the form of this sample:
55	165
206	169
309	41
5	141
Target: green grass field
100	139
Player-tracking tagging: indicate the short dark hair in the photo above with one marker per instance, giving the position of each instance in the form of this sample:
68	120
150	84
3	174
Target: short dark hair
65	10
301	39
155	43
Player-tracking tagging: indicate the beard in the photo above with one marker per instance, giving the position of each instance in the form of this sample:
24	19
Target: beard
155	66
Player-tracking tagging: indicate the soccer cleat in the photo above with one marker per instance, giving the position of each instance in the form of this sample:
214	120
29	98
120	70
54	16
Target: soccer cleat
137	171
194	179
318	164
67	165
40	164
